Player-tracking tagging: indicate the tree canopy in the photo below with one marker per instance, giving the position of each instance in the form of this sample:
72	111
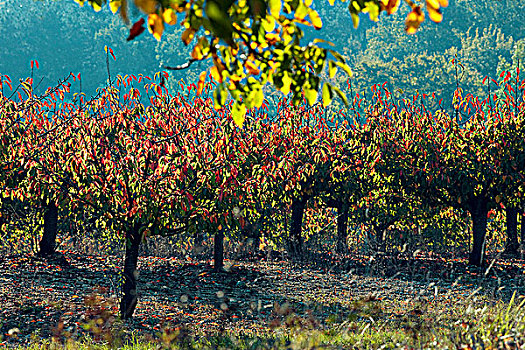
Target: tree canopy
252	43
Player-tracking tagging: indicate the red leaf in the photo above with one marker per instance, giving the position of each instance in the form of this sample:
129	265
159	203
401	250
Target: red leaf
111	53
136	29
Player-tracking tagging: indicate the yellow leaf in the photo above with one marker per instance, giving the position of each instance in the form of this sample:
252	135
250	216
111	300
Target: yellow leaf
96	6
147	6
258	98
238	113
433	4
272	38
155	26
316	20
187	35
391	6
340	94
200	84
373	11
197	52
252	68
275	8
114	5
301	11
311	96
287	81
413	20
268	24
332	69
443	3
215	74
235	78
435	14
80	2
331	2
345	67
170	17
317	40
355	19
219	97
327	94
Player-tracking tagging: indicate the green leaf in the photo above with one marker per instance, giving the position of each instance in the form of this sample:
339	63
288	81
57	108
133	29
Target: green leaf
219	20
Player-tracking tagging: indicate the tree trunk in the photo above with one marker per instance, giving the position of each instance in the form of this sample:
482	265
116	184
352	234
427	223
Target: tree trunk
252	234
48	241
342	228
3	221
522	235
198	238
295	239
380	236
129	288
218	251
256	240
512	245
478	211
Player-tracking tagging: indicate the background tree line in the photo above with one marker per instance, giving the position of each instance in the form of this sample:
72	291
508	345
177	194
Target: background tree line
486	37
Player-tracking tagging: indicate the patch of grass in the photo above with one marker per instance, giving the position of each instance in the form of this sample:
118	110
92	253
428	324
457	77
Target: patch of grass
473	324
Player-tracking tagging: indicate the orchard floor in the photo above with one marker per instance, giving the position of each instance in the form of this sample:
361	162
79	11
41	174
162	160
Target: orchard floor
40	299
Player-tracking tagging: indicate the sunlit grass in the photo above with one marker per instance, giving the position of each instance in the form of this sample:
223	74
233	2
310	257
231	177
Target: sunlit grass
473	324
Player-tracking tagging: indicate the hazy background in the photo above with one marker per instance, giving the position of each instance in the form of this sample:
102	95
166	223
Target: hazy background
487	36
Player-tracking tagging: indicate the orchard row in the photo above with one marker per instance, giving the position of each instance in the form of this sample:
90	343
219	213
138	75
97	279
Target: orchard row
179	165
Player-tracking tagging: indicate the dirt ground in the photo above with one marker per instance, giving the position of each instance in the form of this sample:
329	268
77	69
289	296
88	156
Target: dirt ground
39	298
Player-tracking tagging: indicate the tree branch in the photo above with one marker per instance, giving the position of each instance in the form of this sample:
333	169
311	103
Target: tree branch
182	66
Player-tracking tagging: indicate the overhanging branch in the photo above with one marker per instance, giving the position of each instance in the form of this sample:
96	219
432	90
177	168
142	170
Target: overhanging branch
182	66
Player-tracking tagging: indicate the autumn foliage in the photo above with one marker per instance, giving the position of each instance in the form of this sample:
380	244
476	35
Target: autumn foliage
149	162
